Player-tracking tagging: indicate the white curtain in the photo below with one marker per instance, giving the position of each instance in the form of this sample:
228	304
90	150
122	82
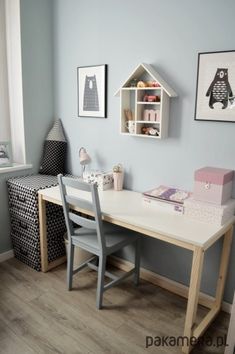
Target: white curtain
5	133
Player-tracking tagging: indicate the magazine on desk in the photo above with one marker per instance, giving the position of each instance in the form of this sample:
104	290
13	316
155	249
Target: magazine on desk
167	198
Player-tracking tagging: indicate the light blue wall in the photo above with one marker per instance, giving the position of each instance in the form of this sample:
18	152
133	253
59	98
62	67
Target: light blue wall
37	63
36	27
117	34
167	34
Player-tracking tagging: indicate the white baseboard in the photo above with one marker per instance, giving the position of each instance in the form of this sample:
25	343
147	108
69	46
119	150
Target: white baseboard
6	255
168	284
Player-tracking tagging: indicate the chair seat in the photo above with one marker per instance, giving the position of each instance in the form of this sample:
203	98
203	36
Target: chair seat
116	237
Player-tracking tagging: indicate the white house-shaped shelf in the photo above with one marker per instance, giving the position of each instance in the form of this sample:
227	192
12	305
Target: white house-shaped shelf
144	100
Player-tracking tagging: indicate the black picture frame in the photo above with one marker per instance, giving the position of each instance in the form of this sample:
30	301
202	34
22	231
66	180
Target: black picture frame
92	91
211	92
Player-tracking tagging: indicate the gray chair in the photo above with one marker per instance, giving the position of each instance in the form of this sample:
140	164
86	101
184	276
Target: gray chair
96	236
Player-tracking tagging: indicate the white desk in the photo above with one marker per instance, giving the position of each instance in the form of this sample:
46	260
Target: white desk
126	209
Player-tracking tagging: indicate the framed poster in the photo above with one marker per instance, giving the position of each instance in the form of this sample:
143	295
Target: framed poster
92	91
215	95
5	154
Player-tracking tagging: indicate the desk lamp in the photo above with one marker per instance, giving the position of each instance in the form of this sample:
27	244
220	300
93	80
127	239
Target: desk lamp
84	159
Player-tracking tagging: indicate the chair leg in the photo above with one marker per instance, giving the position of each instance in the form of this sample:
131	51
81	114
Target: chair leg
70	266
137	262
100	283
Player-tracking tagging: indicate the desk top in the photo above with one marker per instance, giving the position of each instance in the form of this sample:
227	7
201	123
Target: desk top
126	208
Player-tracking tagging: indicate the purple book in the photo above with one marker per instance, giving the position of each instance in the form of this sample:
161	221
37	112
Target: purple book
168	194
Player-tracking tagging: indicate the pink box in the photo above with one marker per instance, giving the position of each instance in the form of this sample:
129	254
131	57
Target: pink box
213	185
210	213
152	115
157	115
146	115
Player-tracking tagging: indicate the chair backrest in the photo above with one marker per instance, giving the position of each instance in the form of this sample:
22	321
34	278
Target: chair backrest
71	202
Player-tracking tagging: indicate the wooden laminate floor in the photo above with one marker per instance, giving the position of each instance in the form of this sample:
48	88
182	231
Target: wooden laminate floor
38	315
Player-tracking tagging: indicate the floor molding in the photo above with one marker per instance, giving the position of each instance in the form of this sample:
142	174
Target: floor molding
168	284
6	255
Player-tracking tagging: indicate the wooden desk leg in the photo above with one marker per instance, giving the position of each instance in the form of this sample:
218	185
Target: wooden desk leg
194	289
43	233
223	267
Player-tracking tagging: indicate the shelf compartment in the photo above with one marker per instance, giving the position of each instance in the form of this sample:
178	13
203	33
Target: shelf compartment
155	125
150	92
128	99
142	110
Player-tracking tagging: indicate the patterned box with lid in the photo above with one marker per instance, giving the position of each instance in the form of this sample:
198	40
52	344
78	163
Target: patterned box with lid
213	185
25	233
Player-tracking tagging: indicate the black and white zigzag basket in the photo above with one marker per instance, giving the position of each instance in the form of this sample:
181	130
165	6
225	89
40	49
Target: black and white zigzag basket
23	204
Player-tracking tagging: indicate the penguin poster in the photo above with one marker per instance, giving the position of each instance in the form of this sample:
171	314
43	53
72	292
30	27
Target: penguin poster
92	90
215	96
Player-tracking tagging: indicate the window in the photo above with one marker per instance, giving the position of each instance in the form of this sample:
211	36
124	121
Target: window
4	101
11	100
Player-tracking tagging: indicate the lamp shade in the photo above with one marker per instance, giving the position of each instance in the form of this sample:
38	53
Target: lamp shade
83	156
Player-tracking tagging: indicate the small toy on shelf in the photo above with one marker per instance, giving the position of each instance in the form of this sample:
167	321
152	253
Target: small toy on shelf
142	84
150	131
149	83
151	98
155	84
133	83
